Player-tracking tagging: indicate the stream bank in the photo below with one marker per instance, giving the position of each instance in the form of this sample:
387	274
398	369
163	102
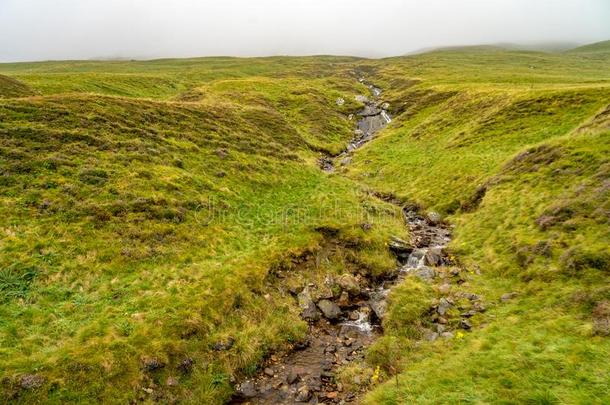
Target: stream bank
345	315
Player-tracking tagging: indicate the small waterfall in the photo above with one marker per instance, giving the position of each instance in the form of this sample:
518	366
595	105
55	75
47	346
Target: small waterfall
416	259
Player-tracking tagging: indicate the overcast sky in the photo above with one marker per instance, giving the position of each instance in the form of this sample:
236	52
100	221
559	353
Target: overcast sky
83	29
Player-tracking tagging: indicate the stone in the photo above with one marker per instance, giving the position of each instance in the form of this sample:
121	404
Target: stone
186	365
425	273
433	257
31	381
349	283
331	395
346	161
340	101
447	335
444	289
508	296
465	324
344	300
440	328
152	364
433	217
292	377
246	389
443	306
431	336
171	381
224	345
268	372
400	248
378	306
354	315
601	319
303	395
309	311
329	309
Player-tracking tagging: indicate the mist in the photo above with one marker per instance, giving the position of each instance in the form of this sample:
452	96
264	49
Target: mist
145	29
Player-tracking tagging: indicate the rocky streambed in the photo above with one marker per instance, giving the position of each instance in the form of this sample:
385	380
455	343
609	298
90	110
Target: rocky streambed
345	313
372	118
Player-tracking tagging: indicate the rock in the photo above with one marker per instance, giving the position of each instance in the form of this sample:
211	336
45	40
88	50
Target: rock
465	324
357	380
186	365
350	117
247	389
433	217
309	311
400	248
601	319
268	372
346	161
349	283
331	395
425	273
222	153
379	306
385	106
362	99
433	257
292	377
508	296
31	381
444	288
340	101
152	364
431	336
366	226
443	306
354	315
303	395
440	329
329	309
224	345
171	381
344	300
447	335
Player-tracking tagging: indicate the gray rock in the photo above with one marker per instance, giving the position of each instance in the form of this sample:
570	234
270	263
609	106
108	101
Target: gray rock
443	306
340	101
447	335
465	324
308	307
508	296
31	381
329	309
268	372
247	389
378	305
425	273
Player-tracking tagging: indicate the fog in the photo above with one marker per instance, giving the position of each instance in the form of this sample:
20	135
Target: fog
87	29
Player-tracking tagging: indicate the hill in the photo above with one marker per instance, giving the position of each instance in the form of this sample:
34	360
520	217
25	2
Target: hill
598	47
159	218
13	88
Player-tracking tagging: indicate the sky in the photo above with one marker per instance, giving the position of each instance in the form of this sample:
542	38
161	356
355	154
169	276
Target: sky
145	29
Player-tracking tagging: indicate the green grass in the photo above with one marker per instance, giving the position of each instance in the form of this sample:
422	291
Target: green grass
147	206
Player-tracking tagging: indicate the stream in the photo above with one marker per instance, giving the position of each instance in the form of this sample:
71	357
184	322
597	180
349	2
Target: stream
342	326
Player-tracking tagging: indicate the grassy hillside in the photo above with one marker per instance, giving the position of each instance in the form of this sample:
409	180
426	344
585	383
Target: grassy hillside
517	158
147	208
10	87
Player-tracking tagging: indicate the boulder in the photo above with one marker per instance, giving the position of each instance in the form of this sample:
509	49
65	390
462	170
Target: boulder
309	311
378	306
349	283
400	248
508	296
329	309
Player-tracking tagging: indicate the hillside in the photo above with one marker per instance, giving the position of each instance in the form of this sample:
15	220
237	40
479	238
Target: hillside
10	87
160	217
